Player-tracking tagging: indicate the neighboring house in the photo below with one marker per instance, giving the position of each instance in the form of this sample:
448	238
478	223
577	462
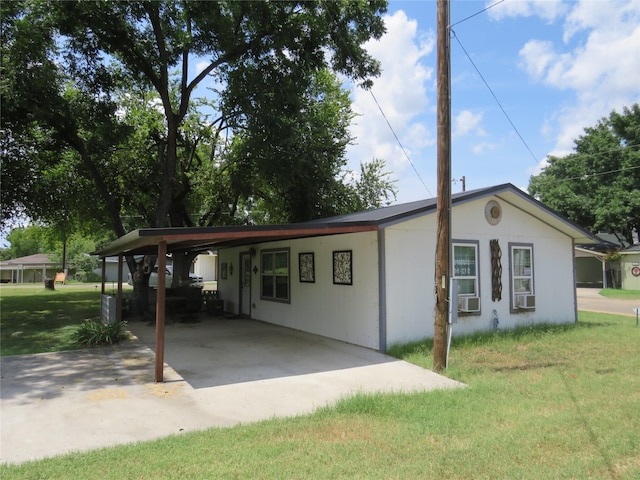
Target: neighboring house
29	269
592	270
111	270
205	266
368	278
630	268
590	267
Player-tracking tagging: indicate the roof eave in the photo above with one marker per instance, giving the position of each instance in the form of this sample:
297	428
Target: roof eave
145	241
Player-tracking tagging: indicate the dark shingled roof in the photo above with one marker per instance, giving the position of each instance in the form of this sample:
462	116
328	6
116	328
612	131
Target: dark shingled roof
203	238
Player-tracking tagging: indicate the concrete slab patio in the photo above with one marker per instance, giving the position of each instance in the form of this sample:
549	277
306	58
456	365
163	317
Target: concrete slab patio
218	372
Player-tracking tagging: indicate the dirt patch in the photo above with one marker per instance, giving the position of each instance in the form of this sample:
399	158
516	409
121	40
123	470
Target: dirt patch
109	394
137	362
526	366
163	390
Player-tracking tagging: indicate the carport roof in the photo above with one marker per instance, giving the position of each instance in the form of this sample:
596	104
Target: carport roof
146	240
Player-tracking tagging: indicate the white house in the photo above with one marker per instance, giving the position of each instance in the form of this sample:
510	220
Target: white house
513	258
368	278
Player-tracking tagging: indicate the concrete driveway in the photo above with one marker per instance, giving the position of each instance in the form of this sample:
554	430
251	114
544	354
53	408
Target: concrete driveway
218	373
589	299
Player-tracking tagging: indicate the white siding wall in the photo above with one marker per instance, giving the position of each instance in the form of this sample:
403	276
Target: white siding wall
410	258
350	313
345	312
410	268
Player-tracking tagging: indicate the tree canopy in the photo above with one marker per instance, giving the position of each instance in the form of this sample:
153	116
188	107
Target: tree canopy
71	66
598	186
27	241
182	113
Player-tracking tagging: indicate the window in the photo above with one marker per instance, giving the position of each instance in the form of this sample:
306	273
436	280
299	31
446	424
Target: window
521	272
274	282
465	268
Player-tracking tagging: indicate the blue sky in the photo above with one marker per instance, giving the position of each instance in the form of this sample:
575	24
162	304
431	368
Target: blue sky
556	67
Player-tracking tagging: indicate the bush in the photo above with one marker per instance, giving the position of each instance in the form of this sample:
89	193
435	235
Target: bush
92	332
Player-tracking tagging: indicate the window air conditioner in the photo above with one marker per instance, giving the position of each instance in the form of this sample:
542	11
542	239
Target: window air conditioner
468	304
526	301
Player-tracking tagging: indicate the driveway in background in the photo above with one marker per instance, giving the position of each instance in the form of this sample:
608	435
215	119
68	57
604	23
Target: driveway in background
589	299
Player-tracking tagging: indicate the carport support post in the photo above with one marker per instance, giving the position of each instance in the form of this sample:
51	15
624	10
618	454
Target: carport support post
119	295
160	310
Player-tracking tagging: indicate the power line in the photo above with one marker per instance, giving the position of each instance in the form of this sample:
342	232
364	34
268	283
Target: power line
589	175
580	155
547	180
494	96
346	44
399	143
475	14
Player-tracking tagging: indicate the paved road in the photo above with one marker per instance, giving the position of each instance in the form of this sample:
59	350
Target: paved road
589	299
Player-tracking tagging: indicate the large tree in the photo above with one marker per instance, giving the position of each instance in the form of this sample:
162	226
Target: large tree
598	186
72	67
29	240
58	126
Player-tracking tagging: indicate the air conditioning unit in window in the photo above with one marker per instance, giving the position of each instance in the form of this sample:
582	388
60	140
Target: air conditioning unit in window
468	304
526	301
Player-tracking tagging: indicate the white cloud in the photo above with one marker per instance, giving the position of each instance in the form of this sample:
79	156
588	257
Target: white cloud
601	67
401	92
614	17
537	56
483	147
201	65
466	123
548	10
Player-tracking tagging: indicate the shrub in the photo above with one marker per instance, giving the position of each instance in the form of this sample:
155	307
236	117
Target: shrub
92	332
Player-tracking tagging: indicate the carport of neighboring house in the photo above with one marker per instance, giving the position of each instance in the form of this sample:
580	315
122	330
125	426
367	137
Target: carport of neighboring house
161	241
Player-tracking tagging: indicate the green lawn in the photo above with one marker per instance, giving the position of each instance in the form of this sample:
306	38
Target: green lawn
35	320
623	294
552	402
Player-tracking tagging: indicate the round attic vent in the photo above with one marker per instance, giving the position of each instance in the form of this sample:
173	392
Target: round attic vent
493	212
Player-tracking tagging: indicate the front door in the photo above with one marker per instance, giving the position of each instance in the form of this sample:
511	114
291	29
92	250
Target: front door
245	284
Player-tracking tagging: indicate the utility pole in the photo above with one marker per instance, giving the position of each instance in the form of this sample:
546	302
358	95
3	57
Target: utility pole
443	204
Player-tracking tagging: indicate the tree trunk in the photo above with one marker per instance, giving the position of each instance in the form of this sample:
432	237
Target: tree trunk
181	268
140	273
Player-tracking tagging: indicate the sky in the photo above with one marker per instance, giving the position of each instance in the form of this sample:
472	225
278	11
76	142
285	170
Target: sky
552	68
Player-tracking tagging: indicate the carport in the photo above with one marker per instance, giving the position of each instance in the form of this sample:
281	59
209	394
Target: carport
162	241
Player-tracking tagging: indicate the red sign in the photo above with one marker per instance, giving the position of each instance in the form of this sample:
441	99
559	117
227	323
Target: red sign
635	271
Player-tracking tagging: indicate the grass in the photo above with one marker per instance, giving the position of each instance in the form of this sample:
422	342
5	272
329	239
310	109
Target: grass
552	402
622	294
35	320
